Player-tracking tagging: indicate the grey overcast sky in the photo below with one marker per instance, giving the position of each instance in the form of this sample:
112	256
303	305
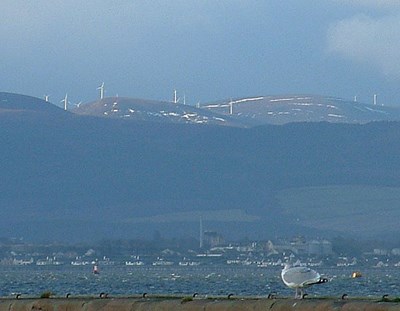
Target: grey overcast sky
208	50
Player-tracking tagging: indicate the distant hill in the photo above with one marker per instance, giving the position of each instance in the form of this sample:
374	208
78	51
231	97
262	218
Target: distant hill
301	108
154	111
75	177
242	112
16	103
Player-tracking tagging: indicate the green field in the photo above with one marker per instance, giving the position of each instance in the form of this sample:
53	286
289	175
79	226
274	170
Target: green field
356	209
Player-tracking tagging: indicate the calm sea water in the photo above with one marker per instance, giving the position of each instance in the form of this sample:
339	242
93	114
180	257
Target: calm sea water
175	280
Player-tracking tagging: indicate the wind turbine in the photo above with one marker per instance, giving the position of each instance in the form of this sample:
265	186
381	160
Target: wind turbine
176	99
65	101
101	88
201	232
46	98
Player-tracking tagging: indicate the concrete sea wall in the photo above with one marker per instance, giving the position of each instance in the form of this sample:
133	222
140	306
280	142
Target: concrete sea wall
188	304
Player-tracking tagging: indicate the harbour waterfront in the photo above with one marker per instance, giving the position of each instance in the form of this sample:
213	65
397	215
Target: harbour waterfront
205	281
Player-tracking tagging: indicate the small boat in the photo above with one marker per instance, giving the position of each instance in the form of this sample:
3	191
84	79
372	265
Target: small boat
48	261
134	263
356	274
189	263
162	262
79	263
96	269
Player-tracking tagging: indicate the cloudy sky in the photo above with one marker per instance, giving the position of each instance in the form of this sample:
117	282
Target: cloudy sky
207	49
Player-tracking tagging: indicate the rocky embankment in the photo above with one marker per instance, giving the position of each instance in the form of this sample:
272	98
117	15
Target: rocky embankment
189	304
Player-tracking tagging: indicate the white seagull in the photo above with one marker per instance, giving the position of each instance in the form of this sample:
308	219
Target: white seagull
300	277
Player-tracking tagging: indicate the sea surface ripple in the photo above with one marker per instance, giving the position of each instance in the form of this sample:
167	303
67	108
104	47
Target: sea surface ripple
176	280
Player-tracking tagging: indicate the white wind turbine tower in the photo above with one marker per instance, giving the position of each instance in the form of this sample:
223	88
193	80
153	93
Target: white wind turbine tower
65	101
176	99
231	107
101	88
201	232
375	99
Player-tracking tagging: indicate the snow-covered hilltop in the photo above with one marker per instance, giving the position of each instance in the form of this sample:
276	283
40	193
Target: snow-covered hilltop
152	110
301	108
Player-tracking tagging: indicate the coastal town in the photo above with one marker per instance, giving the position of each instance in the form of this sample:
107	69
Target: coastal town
337	252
